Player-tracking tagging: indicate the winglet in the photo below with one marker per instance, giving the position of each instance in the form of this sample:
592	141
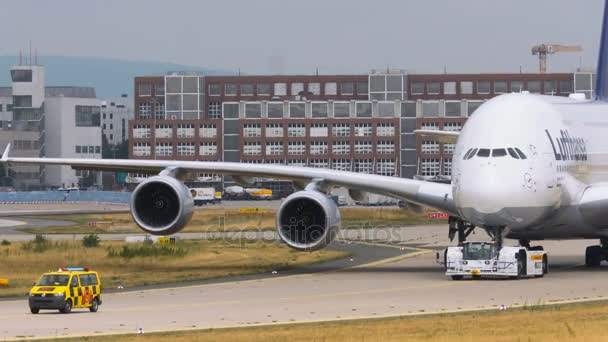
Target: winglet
4	158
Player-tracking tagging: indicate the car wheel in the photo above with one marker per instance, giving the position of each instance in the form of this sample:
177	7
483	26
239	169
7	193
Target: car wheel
67	308
94	305
34	310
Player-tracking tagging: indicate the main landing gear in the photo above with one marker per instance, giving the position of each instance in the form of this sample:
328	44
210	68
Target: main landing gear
595	254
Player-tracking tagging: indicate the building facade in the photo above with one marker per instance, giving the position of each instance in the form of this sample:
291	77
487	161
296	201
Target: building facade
359	123
115	115
45	121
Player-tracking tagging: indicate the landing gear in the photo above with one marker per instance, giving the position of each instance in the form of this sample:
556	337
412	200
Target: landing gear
496	233
460	227
595	254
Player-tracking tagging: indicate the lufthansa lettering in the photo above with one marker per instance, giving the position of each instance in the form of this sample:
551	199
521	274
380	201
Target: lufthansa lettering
566	147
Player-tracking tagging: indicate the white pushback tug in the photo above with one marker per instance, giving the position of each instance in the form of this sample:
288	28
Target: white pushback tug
486	259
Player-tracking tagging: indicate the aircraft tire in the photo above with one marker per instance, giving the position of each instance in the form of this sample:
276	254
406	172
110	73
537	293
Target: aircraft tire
593	256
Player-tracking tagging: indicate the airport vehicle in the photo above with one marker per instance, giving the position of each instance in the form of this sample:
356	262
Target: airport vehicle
525	166
65	289
202	196
240	193
485	259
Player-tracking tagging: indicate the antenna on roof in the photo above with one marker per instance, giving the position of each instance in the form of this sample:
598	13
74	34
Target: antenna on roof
35	56
20	57
317	71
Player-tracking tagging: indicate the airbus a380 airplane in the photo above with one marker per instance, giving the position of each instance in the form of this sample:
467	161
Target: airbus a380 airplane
528	167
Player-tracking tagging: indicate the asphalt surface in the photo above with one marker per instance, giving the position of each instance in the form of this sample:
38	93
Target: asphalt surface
379	281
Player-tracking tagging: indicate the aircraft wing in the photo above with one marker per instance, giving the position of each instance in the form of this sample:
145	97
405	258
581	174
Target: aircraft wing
435	195
447	137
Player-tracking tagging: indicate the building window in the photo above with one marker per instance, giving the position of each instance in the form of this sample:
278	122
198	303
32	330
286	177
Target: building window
319	109
363	147
386	109
341	130
163	131
318	147
483	87
164	149
430	109
452	126
466	87
500	87
364	109
452	108
385	129
275	110
274	148
246	89
159	111
362	88
347	88
207	149
386	167
314	88
417	87
447	167
534	86
448	148
185	131
185	149
340	147
449	88
297	109
472	106
297	89
429	167
215	110
263	89
517	86
319	163
230	89
565	86
550	87
214	89
429	147
207	131
363	166
296	162
331	88
280	89
252	130
87	116
433	88
252	148
274	130
363	130
296	148
318	130
253	110
429	126
296	130
341	164
341	109
141	149
141	131
145	89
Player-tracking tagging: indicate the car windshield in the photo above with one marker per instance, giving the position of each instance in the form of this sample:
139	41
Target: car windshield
53	280
479	251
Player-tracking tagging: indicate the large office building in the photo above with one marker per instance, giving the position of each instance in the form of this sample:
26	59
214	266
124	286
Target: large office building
360	123
115	115
46	121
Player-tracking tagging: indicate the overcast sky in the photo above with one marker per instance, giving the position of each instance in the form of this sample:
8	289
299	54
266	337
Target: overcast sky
335	36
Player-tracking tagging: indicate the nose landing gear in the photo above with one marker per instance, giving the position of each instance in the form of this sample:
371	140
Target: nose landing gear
460	227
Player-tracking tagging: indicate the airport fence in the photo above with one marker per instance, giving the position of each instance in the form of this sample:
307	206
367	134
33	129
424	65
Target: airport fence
65	196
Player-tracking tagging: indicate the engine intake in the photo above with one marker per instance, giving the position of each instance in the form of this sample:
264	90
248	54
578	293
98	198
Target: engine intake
308	220
161	205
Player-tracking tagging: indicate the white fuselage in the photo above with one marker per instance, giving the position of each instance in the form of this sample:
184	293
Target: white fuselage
537	195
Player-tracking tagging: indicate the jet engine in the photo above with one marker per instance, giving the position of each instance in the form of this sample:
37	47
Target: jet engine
161	205
308	220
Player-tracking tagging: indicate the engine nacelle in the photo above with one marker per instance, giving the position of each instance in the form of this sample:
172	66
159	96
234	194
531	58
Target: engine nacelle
161	205
308	220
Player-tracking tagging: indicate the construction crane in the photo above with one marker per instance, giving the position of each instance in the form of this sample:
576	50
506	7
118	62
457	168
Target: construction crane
543	50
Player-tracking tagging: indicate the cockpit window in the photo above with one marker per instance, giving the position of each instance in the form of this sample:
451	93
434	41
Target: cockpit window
520	153
472	153
466	155
512	153
483	152
499	152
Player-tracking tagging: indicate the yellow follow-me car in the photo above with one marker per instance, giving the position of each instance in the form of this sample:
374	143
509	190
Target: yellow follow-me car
69	287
